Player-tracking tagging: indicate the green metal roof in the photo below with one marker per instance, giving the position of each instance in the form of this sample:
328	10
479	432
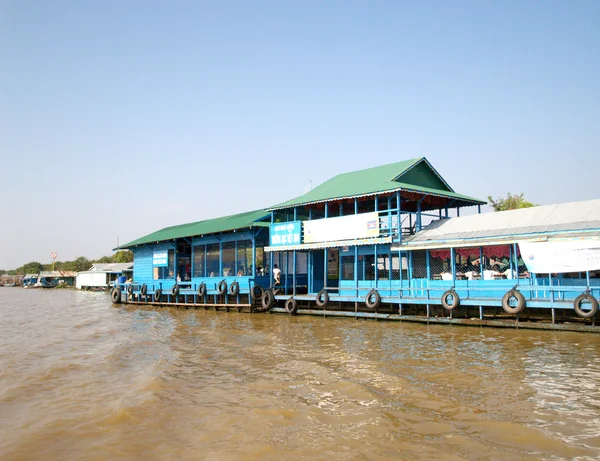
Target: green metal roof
412	175
208	226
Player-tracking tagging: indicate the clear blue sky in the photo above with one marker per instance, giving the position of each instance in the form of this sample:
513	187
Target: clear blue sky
120	118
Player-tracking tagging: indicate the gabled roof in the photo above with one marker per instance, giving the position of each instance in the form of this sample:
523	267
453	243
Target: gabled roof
415	175
209	226
573	219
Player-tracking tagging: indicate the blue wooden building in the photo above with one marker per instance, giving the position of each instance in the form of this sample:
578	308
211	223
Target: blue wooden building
388	240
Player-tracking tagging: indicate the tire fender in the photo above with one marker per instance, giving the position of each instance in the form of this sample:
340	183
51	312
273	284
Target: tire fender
455	300
516	294
322	298
373	299
291	306
586	314
115	295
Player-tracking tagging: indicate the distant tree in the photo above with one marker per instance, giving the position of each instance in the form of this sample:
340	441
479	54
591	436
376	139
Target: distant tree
510	202
122	257
81	263
104	260
30	268
2	272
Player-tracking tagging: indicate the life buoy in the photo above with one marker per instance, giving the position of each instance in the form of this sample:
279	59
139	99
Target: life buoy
115	295
587	313
454	300
372	299
291	306
506	302
234	288
202	289
322	298
257	292
175	290
157	295
130	289
222	287
144	290
268	299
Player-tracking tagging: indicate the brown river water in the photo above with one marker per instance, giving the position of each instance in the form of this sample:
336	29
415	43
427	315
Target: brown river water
83	380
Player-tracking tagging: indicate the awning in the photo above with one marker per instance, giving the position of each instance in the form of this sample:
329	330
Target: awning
485	242
332	244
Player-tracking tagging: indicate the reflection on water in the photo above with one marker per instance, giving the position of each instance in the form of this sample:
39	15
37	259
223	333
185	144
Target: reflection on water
80	379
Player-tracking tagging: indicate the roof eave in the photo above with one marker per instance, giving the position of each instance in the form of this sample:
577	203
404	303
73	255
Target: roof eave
473	201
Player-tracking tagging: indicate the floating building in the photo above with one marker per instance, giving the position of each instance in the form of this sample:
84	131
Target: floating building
385	242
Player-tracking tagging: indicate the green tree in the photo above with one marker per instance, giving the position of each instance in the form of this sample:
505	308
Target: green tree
122	257
510	202
33	267
81	263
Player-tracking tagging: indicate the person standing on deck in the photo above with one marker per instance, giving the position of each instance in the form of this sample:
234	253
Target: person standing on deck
276	275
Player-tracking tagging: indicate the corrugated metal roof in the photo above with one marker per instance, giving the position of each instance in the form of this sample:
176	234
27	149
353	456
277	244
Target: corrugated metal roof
58	274
575	218
332	244
110	267
208	226
415	175
31	276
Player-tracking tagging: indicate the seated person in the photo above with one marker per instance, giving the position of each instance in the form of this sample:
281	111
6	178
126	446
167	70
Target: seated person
470	275
509	273
240	273
446	275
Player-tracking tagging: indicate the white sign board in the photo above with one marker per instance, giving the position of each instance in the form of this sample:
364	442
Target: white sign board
342	228
559	257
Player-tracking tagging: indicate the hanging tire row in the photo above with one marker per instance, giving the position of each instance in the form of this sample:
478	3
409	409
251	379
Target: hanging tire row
513	302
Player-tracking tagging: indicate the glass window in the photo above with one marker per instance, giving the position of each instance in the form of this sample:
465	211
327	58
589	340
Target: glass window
212	259
244	257
228	259
199	252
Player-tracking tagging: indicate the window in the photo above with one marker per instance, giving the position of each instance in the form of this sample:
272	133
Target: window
228	259
199	252
212	260
347	267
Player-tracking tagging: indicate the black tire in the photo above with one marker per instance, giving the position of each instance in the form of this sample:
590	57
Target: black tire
175	290
234	289
257	292
373	299
586	314
322	298
202	289
130	289
157	295
506	305
449	306
291	306
268	299
115	295
144	290
222	287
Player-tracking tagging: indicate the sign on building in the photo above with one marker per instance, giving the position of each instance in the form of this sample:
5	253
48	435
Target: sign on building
160	259
286	233
365	225
559	257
